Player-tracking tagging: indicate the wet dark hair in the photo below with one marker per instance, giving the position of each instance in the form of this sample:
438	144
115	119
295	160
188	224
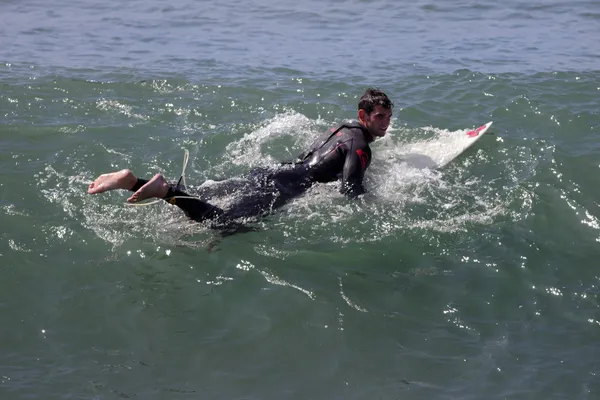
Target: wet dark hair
372	98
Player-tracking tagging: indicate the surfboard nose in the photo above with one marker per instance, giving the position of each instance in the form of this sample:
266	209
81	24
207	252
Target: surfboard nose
477	131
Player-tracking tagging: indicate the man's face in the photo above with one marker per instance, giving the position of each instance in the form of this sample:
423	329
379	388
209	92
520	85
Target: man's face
378	121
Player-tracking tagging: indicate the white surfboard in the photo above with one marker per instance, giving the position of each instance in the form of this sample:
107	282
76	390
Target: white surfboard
438	153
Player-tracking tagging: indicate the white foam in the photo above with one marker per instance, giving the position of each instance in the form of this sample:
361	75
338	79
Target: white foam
253	148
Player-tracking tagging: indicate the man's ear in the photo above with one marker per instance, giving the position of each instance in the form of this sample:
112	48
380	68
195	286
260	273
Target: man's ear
362	114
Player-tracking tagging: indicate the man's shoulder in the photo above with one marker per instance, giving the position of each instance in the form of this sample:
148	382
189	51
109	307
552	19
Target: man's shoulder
352	129
353	125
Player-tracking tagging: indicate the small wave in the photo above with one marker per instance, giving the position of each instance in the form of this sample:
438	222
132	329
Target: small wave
114	105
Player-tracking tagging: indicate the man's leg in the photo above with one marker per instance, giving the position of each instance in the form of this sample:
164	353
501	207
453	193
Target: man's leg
157	187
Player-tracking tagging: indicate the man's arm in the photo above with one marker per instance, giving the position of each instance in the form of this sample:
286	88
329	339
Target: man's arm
357	161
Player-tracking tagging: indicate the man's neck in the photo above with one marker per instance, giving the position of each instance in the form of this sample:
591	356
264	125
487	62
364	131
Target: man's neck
368	137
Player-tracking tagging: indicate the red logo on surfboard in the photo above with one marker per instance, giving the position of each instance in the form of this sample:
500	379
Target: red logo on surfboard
476	131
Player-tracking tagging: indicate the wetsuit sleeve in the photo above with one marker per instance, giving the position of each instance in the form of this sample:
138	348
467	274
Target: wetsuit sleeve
355	165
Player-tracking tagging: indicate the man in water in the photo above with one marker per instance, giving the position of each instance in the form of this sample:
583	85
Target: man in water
342	153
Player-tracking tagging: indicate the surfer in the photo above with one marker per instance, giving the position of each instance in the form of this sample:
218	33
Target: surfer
340	154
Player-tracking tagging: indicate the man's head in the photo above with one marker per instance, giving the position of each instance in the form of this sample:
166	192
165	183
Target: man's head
375	112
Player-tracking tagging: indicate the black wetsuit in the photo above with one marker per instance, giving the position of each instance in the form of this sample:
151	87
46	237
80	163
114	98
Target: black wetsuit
342	153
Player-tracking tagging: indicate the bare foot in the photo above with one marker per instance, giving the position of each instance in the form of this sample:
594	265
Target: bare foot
123	179
155	187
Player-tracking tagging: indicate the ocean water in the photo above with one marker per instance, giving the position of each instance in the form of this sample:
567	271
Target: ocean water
476	281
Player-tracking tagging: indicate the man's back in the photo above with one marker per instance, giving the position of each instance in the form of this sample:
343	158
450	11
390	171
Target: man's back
343	154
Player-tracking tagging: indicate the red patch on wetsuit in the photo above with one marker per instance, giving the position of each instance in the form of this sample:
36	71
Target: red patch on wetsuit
363	157
332	130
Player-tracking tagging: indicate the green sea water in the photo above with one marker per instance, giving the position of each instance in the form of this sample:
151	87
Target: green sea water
477	281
